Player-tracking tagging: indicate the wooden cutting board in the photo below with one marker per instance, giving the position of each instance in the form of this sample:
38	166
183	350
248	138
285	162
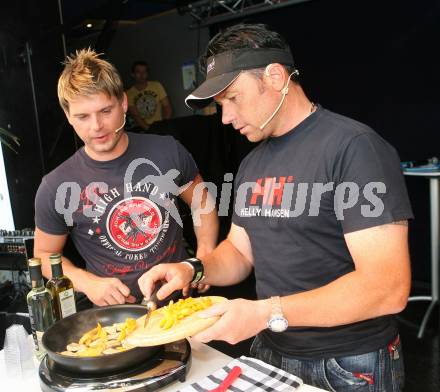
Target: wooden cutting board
154	335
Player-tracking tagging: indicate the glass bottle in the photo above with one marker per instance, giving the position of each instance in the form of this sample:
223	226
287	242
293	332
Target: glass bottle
61	288
40	304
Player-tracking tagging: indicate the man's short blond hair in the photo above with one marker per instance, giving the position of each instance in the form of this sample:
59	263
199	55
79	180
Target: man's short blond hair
84	74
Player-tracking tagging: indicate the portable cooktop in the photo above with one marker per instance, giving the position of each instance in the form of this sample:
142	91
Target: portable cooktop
170	364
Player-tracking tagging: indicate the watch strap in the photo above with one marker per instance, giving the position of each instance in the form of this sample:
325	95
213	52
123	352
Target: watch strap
277	322
275	302
199	271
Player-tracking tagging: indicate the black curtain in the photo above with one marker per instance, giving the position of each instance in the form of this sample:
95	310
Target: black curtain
30	62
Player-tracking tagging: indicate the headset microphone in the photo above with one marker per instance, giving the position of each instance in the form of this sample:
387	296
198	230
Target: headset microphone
123	124
284	92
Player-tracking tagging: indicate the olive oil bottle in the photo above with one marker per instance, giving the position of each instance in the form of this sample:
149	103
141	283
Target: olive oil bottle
61	288
40	304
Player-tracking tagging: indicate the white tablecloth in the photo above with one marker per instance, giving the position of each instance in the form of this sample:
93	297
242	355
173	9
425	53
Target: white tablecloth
205	360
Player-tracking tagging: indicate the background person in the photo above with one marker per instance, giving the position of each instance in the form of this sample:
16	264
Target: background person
147	99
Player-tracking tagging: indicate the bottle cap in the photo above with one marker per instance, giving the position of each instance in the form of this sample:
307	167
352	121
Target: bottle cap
34	262
55	258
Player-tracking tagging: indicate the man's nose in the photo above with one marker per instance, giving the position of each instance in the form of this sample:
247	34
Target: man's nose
227	115
96	123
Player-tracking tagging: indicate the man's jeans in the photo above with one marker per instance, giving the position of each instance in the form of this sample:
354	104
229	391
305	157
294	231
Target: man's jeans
377	371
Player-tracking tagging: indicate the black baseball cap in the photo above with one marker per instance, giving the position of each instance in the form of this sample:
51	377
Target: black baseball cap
224	68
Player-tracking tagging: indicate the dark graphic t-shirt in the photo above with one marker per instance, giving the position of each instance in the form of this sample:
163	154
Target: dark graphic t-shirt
121	214
296	210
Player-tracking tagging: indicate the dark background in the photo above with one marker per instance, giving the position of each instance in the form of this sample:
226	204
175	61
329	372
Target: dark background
374	61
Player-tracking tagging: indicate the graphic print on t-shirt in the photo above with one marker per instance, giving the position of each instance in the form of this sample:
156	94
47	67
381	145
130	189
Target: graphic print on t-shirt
146	103
266	198
134	224
269	190
132	227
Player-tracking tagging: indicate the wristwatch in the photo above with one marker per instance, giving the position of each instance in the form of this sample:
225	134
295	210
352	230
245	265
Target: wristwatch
277	321
199	271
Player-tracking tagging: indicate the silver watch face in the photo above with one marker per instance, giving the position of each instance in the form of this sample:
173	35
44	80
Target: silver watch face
277	324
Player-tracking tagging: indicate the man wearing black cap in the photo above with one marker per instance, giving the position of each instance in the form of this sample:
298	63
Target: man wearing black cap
320	214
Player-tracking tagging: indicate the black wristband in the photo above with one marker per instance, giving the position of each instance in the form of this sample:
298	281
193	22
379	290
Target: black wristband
199	271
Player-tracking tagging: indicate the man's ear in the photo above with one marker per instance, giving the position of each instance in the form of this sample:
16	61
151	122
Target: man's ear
124	102
276	76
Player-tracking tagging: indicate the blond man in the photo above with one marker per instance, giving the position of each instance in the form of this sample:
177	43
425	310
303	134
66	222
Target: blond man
117	179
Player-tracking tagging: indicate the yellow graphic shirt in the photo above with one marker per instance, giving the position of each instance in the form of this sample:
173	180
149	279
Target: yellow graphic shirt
147	101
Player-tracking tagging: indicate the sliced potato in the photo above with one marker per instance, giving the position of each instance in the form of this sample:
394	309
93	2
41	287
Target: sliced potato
91	352
126	345
97	342
69	353
112	343
113	336
75	347
110	350
111	330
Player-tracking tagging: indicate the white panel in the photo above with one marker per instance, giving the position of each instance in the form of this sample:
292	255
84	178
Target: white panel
6	218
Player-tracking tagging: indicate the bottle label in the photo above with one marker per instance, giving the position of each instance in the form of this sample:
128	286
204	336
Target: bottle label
40	351
39	347
37	336
67	302
34	332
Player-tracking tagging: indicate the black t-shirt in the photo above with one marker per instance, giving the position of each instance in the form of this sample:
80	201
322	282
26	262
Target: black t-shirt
322	167
130	226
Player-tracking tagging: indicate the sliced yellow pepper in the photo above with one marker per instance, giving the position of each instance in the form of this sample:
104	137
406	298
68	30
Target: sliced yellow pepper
88	336
174	312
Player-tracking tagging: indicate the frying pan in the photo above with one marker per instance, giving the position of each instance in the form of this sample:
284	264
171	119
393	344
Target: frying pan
71	328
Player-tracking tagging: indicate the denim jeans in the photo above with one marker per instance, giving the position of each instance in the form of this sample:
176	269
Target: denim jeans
377	371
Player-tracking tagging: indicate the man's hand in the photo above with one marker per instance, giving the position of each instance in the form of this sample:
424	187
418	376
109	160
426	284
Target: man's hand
108	291
175	275
200	287
253	316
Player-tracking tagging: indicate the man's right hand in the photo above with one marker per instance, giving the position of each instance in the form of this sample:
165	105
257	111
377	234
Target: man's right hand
108	291
174	276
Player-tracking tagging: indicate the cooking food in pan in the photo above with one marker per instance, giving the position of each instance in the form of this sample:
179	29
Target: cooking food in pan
102	340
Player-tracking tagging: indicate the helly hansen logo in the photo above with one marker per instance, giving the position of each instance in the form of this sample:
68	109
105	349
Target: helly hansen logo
269	191
211	66
281	197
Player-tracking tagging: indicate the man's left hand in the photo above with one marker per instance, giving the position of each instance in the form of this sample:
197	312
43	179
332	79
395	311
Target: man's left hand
200	287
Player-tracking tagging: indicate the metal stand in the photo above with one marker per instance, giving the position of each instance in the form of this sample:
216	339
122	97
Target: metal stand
434	181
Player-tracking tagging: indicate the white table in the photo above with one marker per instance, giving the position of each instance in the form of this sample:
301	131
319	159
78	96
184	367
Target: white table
205	360
434	181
